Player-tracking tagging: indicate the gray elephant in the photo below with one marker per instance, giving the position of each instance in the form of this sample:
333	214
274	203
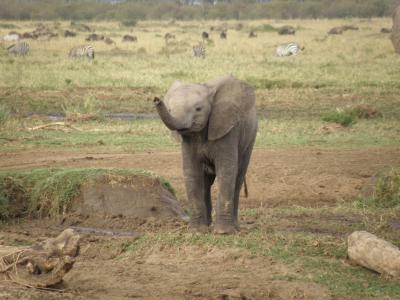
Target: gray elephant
217	125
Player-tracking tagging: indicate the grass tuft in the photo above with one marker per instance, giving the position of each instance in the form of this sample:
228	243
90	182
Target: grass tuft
87	109
343	118
387	193
4	114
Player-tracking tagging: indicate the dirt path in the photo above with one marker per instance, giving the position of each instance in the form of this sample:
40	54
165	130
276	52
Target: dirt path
307	177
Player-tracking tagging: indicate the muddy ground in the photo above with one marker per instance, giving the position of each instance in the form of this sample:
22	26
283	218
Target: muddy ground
277	178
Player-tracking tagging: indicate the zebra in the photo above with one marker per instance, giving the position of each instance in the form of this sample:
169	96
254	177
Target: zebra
82	51
252	34
199	51
288	49
20	48
11	37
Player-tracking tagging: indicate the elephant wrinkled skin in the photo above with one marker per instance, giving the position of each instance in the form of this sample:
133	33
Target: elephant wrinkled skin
217	126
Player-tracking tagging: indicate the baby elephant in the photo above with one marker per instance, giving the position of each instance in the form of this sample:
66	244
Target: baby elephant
217	125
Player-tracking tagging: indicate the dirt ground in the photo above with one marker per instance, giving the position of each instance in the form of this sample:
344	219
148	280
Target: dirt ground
307	177
277	178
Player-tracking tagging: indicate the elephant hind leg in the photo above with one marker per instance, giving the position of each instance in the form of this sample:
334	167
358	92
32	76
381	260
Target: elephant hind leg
241	177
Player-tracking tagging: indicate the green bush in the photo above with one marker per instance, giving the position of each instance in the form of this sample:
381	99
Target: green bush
340	117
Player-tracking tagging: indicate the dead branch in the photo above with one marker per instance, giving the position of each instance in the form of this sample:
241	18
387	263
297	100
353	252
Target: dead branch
105	232
53	124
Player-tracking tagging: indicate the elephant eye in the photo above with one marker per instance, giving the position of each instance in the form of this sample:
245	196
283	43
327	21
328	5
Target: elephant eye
198	108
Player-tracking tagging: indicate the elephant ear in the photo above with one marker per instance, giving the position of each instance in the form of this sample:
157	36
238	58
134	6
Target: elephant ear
232	100
174	86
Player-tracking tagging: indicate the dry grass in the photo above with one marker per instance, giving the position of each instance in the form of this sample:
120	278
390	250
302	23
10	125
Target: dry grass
337	61
333	73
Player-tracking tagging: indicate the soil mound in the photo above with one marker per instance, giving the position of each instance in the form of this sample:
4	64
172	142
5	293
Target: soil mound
88	192
133	196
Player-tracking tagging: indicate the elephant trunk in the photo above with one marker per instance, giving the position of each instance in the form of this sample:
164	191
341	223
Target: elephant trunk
165	116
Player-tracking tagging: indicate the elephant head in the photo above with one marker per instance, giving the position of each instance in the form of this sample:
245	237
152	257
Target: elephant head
216	105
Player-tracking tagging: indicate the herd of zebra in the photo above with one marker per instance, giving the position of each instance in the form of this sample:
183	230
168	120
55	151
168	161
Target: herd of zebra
21	48
288	49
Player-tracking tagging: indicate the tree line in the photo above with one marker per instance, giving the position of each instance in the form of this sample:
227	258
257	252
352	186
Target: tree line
191	9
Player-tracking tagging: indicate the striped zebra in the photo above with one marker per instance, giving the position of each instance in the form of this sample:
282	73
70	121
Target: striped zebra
20	48
82	51
199	51
288	49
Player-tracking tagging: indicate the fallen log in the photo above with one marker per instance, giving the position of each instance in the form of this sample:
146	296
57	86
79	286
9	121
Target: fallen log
374	253
42	265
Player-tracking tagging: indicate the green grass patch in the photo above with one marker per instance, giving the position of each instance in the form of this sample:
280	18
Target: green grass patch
151	135
343	118
8	26
48	192
265	28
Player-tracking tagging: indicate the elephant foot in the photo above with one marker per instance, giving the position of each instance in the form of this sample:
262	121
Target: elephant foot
199	228
225	229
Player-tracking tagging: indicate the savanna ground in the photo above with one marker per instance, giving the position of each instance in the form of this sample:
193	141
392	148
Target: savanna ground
311	182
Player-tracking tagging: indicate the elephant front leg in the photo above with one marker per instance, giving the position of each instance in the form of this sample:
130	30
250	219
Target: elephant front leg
225	222
198	185
198	193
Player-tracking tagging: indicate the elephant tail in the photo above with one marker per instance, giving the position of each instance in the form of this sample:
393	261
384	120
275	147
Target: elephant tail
246	192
